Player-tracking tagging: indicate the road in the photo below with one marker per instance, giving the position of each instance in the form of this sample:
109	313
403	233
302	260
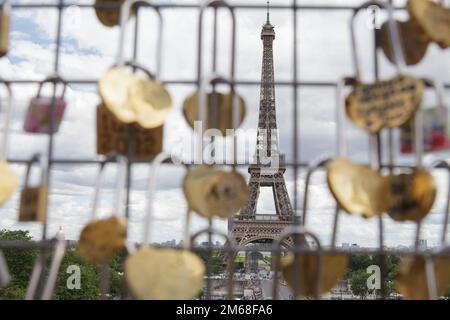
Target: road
284	293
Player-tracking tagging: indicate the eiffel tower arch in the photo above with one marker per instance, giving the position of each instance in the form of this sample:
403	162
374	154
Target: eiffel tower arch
267	169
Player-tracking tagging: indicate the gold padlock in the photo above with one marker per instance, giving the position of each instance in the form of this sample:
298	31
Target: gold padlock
112	136
33	200
5	20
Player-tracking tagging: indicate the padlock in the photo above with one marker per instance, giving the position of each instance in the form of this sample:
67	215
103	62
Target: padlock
215	110
33	200
112	136
388	103
101	239
109	16
39	113
8	178
436	129
5	20
153	273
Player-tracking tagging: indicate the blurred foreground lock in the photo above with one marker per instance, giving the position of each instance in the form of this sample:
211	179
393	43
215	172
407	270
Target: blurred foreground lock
33	200
5	20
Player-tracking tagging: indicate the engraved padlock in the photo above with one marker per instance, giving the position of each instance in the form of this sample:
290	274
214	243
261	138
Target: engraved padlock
33	200
5	20
40	110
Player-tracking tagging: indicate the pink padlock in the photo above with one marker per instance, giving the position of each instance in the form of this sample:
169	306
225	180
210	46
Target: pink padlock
37	119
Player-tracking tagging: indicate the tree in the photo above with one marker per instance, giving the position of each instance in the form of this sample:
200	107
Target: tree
21	261
20	264
359	283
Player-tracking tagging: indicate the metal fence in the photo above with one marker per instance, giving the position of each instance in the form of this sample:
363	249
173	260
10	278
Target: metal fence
295	83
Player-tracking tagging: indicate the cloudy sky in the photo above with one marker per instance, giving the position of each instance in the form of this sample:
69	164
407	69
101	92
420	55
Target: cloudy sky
88	50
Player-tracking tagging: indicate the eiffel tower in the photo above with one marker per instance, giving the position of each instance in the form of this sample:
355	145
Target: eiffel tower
268	167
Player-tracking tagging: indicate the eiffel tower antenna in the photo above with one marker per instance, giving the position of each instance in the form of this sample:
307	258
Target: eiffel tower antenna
268	11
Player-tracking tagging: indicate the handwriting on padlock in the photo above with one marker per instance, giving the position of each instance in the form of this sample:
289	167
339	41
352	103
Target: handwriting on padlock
385	103
434	20
211	192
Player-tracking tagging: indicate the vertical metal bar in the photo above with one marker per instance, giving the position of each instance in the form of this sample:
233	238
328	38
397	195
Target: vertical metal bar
297	220
44	252
209	261
382	257
295	111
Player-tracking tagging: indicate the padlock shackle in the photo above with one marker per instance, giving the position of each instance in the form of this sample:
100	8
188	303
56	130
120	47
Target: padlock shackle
151	189
229	244
4	272
59	244
398	55
204	6
55	79
322	162
118	201
215	79
58	255
298	231
341	132
418	118
37	157
124	14
138	66
6	123
444	164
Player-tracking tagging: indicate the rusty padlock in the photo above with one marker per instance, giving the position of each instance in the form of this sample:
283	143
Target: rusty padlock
33	200
39	114
5	20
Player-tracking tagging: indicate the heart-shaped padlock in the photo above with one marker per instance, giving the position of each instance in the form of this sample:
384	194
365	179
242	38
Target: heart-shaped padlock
413	40
101	239
433	18
162	273
383	104
211	192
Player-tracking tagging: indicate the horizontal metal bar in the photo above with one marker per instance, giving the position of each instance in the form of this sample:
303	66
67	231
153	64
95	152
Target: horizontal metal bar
169	162
194	82
21	244
192	6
